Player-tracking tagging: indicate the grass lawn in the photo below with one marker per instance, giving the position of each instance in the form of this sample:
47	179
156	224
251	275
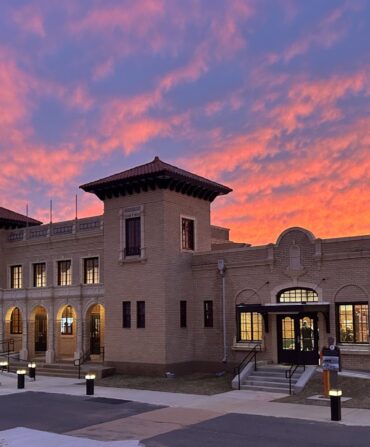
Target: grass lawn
357	389
196	383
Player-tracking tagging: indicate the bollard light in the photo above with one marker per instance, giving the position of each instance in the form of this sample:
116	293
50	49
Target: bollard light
20	378
32	370
90	380
335	404
4	366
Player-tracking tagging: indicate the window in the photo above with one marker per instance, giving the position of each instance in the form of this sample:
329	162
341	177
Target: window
297	296
126	314
208	313
16	276
91	270
353	323
64	273
16	322
182	313
187	234
66	324
39	274
133	236
140	314
250	326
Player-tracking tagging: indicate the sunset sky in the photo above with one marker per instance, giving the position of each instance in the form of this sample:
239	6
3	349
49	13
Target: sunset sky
270	97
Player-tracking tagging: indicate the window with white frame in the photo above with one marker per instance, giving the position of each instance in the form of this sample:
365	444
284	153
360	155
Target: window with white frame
187	233
132	232
91	270
39	274
64	273
16	280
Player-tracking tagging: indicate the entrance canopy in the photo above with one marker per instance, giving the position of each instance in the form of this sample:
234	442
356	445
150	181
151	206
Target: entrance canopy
286	308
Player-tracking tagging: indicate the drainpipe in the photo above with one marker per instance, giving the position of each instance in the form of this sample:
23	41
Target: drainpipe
221	268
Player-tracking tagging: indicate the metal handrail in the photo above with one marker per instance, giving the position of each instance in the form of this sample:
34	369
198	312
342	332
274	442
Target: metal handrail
78	362
252	355
291	371
10	348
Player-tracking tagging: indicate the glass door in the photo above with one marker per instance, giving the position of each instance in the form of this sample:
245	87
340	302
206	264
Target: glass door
297	339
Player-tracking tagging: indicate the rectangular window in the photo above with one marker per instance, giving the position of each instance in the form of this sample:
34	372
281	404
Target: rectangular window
126	314
133	236
182	313
16	276
140	314
64	273
208	313
353	323
39	274
250	326
91	271
187	234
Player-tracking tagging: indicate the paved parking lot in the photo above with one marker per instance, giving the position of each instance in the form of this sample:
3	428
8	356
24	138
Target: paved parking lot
159	426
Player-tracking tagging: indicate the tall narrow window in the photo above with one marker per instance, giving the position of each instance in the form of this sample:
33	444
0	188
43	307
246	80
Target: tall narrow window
183	314
126	314
187	234
66	326
208	313
16	321
91	270
16	277
140	314
353	323
39	274
250	326
133	236
64	273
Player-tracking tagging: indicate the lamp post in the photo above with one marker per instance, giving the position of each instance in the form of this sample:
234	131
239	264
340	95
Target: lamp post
90	381
32	370
335	405
20	378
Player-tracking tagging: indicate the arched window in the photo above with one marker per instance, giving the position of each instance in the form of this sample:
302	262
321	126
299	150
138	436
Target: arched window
301	295
16	321
67	321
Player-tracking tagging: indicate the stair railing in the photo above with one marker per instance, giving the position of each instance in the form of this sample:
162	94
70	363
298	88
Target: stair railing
78	362
291	371
8	344
251	356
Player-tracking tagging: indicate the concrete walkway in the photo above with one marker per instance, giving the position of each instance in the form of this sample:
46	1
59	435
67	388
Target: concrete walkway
191	408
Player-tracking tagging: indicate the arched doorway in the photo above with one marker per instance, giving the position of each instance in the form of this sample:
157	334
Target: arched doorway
95	331
38	330
14	328
66	332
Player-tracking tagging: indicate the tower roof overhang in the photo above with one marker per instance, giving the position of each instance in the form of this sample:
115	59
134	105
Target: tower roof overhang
155	175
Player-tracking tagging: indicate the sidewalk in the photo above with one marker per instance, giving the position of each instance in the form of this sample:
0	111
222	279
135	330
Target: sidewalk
243	402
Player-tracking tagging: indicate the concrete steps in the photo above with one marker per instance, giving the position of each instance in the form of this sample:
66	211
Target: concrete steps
271	379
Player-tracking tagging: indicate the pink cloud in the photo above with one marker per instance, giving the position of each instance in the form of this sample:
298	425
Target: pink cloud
30	20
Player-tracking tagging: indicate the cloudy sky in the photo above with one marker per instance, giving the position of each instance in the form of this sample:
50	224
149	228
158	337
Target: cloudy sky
270	97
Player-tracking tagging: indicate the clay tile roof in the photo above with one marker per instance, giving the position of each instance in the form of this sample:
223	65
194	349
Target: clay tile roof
11	219
162	174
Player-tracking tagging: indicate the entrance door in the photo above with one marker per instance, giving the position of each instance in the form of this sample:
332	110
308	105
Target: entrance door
95	334
298	339
40	332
